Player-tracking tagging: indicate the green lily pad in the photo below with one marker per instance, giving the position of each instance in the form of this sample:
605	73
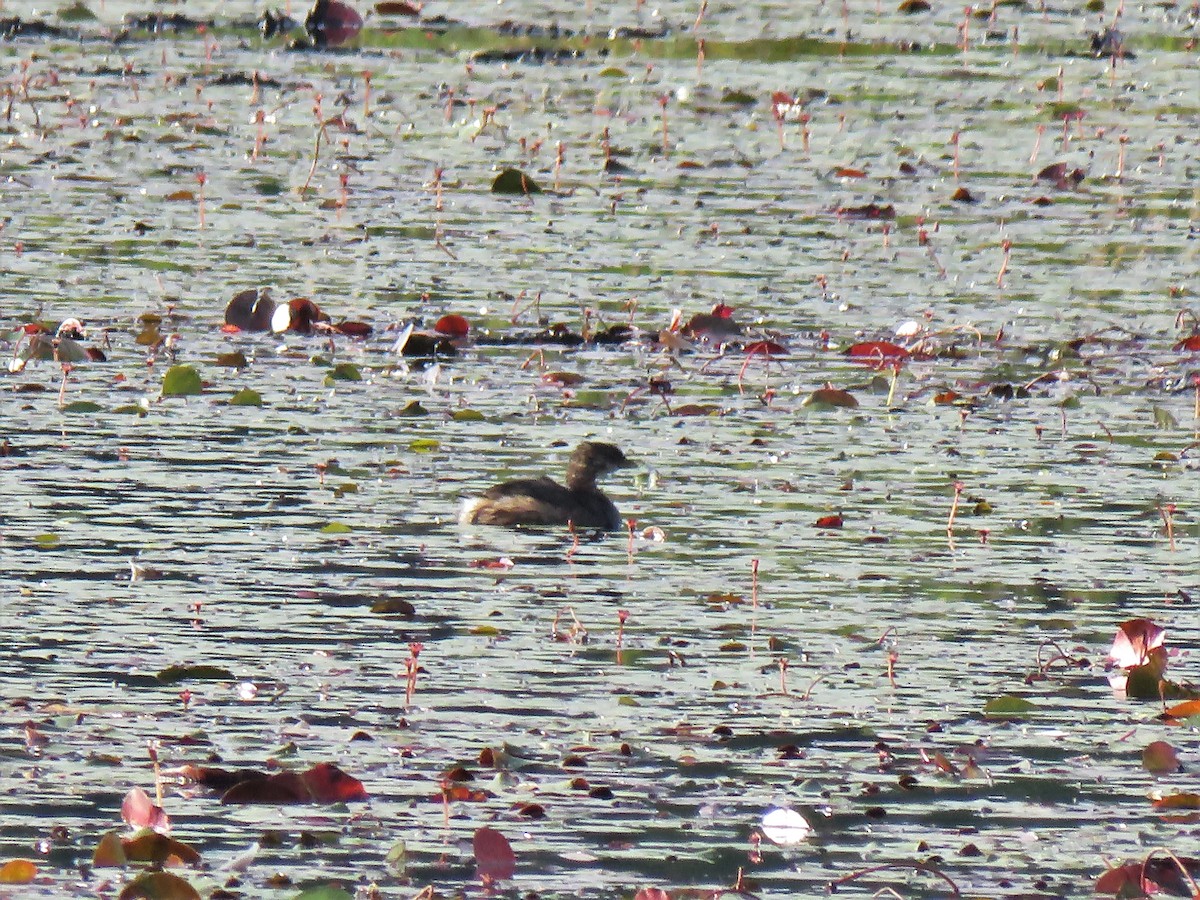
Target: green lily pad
246	397
181	381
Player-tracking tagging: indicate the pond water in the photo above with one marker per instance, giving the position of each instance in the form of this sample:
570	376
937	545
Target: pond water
141	532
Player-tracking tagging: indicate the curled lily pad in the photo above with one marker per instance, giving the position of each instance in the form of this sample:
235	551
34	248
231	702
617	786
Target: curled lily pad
514	181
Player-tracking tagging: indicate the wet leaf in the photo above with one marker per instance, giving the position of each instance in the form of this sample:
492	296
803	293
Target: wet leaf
394	606
397	858
18	871
336	528
246	397
158	849
234	360
323	783
467	415
877	350
785	827
1177	801
831	521
831	398
46	540
1155	875
181	381
344	372
109	852
514	181
1008	705
453	326
494	857
158	886
1160	758
1186	710
82	406
176	674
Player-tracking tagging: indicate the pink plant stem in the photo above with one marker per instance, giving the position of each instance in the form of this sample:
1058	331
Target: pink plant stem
1037	144
1007	245
202	180
958	489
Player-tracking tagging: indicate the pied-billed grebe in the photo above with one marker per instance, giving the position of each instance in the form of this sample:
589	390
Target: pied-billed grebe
542	501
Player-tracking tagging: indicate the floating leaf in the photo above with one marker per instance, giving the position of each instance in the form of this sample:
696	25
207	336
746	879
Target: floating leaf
394	606
1008	705
235	360
18	871
494	857
109	852
397	858
613	72
46	540
424	445
1160	758
1148	877
324	892
877	350
150	846
1185	710
467	415
831	397
323	783
413	408
831	521
344	372
1187	800
514	181
785	827
1190	344
181	381
246	397
336	528
82	406
453	325
158	886
176	674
